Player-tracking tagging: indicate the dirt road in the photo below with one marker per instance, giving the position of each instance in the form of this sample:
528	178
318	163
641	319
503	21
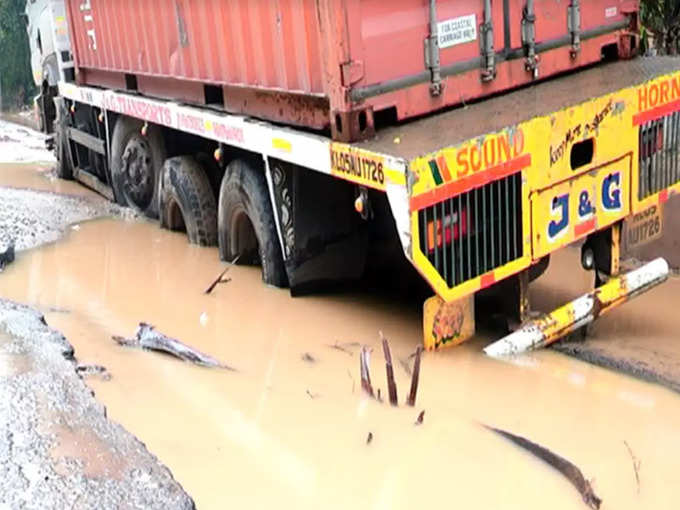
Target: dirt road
291	426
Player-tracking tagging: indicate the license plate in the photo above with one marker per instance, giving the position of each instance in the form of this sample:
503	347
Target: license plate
643	227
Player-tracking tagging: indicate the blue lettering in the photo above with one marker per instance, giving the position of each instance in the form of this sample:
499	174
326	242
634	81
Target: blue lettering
585	207
560	205
611	198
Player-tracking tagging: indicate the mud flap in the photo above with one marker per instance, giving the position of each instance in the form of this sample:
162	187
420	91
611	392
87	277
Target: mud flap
324	240
447	324
582	311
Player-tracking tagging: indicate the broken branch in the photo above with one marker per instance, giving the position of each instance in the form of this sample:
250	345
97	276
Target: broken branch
391	384
421	417
147	337
340	347
636	464
414	380
90	370
566	468
220	279
364	362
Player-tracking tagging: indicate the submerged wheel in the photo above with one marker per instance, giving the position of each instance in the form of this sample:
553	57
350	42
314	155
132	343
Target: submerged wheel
136	162
63	169
246	226
187	201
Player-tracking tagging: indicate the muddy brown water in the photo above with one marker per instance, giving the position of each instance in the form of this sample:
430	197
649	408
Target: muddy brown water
257	438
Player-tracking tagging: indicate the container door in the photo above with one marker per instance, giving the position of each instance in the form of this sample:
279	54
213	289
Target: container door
552	17
393	34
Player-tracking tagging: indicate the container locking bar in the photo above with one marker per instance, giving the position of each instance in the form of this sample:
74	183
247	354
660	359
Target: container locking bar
529	38
486	40
574	25
432	61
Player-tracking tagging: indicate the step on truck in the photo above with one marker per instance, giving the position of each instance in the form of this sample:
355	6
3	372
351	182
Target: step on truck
478	136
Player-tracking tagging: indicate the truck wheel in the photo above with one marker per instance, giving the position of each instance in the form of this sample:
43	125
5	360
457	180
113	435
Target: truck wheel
63	169
187	201
246	226
136	162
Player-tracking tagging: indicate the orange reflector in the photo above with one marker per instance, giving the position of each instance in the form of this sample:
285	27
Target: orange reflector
359	205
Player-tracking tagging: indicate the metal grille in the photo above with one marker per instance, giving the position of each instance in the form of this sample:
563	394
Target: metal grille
659	154
477	231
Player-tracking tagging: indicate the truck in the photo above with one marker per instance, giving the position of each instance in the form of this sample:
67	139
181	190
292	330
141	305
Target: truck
473	137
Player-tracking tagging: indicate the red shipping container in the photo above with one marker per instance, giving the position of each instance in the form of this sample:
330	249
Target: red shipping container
340	64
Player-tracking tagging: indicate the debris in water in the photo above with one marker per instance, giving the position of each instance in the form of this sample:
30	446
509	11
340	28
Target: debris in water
350	376
414	380
369	438
364	362
341	347
6	255
203	319
308	358
568	470
220	278
147	337
406	366
90	370
636	464
421	417
391	384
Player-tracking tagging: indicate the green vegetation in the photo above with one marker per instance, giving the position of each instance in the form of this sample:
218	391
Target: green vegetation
16	82
661	25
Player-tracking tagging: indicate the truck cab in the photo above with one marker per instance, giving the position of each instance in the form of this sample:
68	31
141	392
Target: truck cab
51	58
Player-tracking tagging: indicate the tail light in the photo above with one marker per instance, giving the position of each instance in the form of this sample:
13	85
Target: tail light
447	229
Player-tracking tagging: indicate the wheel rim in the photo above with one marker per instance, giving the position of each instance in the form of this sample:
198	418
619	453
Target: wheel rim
138	173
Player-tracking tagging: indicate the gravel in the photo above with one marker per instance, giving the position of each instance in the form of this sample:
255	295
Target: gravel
30	218
43	398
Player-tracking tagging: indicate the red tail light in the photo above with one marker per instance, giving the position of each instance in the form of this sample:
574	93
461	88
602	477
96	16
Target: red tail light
447	229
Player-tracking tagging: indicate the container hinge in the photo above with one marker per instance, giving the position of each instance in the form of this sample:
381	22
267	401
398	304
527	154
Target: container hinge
352	72
529	38
486	40
432	61
574	26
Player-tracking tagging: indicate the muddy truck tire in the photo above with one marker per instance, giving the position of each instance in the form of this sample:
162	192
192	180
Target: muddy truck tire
246	226
64	167
187	201
136	163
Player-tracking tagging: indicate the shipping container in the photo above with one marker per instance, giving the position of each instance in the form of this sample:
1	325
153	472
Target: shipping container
340	65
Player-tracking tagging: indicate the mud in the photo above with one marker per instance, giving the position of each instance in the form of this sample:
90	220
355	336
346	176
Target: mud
638	338
57	449
300	429
30	217
22	144
225	435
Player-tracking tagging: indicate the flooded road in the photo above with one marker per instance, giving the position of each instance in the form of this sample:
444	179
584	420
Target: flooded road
291	425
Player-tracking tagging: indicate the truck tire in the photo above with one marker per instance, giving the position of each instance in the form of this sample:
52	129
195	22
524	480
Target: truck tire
187	201
246	226
63	169
136	163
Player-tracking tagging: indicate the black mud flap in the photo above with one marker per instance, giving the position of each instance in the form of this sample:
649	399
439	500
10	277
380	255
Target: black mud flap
324	239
